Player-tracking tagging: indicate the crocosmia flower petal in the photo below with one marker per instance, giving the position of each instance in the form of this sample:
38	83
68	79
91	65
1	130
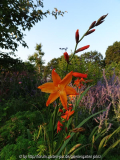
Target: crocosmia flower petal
66	80
71	91
63	98
52	98
55	77
48	87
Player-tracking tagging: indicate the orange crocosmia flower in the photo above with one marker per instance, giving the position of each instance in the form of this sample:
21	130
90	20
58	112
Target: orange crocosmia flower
67	137
78	81
67	114
58	88
82	79
58	126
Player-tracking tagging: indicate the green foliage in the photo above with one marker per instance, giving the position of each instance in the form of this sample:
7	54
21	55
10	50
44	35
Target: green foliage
37	58
93	57
41	149
21	149
113	53
10	64
111	67
53	64
78	64
18	125
29	67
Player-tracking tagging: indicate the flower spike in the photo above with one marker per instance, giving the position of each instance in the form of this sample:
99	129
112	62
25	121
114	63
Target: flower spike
100	20
102	17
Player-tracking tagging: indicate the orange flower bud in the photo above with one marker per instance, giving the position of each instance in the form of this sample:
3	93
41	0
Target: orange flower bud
77	36
66	56
81	49
80	75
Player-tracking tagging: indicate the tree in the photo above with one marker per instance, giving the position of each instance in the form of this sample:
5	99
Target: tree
37	57
6	61
50	65
94	57
29	67
15	14
113	53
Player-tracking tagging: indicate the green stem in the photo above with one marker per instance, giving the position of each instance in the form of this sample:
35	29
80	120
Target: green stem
54	121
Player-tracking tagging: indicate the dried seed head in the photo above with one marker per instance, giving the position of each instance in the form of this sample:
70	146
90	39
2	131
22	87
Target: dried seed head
92	25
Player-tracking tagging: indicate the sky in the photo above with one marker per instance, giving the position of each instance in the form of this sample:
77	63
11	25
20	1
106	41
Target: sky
60	33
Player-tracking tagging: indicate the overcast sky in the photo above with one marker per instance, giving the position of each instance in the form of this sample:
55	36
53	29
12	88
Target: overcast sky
54	34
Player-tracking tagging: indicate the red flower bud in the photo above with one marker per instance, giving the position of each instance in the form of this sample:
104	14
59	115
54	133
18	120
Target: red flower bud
77	36
60	110
98	23
81	49
80	75
66	56
92	25
89	32
67	137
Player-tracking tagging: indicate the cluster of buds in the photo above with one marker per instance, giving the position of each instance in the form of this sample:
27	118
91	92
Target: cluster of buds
89	31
